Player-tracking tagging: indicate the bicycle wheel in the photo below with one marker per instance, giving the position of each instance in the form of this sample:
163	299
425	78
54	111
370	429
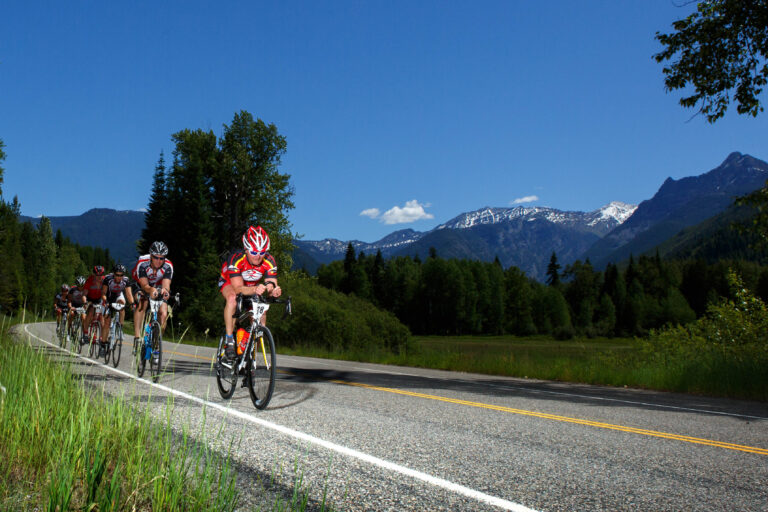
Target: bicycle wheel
117	344
226	376
61	331
261	374
156	357
93	338
107	348
141	363
77	334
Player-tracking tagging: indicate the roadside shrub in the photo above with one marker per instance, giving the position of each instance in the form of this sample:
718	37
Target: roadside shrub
729	345
330	320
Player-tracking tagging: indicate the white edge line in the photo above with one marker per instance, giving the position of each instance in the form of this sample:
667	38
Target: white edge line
391	466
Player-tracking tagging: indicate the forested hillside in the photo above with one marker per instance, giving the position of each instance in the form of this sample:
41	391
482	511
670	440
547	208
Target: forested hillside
454	296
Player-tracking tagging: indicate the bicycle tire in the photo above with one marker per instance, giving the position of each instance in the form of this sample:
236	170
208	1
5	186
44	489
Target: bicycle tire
94	336
61	331
156	357
141	363
77	334
117	344
226	375
261	369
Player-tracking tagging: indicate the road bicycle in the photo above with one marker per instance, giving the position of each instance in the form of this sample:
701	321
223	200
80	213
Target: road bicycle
115	340
151	347
61	328
257	363
76	329
94	334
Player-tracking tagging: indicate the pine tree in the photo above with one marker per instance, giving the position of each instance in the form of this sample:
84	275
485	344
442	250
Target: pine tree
156	217
553	271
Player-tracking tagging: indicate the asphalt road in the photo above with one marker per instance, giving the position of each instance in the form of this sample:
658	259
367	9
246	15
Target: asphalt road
372	437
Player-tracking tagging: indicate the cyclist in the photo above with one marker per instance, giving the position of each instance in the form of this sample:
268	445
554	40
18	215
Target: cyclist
153	272
93	294
60	302
76	299
114	289
241	274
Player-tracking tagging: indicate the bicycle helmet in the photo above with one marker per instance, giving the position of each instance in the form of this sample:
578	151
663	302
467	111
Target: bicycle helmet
118	269
80	281
256	240
65	287
158	249
98	270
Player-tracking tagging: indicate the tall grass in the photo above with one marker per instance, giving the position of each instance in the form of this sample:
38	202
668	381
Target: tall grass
64	448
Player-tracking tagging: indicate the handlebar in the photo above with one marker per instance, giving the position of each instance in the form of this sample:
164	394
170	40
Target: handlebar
266	300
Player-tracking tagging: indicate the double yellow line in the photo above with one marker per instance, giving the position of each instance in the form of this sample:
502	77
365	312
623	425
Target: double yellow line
546	416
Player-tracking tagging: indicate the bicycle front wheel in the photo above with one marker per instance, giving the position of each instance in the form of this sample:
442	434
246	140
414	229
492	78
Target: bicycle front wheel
226	374
61	331
117	345
156	357
262	369
77	335
94	340
141	363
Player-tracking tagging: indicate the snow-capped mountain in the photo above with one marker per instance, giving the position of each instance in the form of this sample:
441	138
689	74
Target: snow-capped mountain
601	220
500	226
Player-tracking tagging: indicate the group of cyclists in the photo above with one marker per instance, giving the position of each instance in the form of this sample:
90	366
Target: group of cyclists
247	272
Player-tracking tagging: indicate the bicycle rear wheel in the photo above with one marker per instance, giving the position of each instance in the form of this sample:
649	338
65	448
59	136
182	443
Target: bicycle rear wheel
117	344
262	369
226	375
156	357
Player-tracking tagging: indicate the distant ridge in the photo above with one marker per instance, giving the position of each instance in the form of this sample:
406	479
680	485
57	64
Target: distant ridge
679	204
116	230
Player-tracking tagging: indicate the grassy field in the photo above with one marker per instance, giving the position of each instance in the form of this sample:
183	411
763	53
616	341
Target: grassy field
621	362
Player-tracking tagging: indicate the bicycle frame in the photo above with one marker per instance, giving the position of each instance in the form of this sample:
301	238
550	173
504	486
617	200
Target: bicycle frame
257	311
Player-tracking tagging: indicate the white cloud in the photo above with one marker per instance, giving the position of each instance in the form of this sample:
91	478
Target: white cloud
370	212
526	199
411	212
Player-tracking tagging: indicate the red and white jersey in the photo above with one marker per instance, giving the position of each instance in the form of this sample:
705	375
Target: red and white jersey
155	276
238	265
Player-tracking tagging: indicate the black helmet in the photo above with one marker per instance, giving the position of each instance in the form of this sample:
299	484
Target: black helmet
118	269
98	270
158	249
80	281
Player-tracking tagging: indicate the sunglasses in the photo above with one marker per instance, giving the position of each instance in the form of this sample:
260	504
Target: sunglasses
161	258
258	253
119	275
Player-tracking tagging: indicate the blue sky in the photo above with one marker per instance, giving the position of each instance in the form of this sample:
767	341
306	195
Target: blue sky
397	114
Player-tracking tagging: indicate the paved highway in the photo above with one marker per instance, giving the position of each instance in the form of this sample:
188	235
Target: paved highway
383	438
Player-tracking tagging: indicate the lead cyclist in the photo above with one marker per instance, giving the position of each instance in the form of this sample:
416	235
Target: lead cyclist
242	273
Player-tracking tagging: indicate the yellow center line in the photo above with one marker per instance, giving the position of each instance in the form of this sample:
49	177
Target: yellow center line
553	417
597	424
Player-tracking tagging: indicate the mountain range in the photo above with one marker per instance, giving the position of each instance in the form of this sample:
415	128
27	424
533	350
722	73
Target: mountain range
521	236
527	236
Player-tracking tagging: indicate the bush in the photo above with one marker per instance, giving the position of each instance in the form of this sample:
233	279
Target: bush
729	345
333	321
